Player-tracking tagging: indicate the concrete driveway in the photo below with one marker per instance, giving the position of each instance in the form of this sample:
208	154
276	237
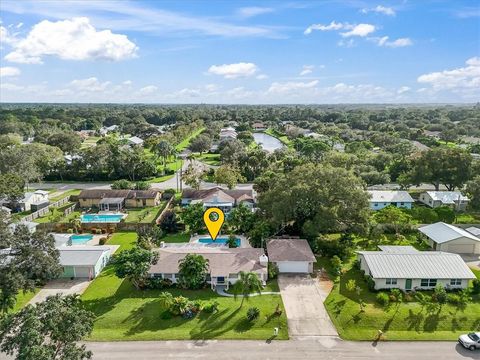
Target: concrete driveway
471	260
303	300
61	286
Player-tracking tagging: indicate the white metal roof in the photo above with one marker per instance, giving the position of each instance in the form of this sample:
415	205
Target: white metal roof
421	265
135	140
81	255
390	196
473	230
447	197
394	249
442	233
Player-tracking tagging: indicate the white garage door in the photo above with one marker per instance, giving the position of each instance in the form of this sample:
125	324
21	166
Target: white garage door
83	272
461	249
293	267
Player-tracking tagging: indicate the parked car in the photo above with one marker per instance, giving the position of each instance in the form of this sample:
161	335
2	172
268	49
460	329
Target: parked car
470	341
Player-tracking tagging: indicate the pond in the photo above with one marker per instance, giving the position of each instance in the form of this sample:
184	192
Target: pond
267	142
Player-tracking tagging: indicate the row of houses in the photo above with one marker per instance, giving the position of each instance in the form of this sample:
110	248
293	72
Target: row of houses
117	200
380	199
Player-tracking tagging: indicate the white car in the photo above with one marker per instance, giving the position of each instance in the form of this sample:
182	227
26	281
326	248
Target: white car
470	341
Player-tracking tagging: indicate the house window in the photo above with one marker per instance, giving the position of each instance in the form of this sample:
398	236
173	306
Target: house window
428	282
157	275
391	281
402	204
376	204
456	282
167	276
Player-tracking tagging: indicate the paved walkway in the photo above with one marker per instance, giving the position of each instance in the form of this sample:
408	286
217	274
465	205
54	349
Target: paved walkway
60	286
221	292
303	299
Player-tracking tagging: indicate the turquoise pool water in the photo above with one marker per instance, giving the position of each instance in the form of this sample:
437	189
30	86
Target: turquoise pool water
80	239
218	240
101	218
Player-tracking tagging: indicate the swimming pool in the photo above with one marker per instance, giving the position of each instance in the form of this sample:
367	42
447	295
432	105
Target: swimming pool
101	218
218	240
80	239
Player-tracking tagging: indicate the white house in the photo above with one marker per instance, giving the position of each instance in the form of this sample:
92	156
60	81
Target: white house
135	141
31	226
228	133
220	198
36	197
291	255
446	237
81	261
259	126
474	230
407	269
383	198
453	199
224	264
105	130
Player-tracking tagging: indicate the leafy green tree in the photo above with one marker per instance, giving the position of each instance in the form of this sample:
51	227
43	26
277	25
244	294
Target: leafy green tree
192	217
48	330
11	187
231	241
241	218
393	216
226	174
134	264
122	184
164	149
473	191
317	198
259	232
247	283
67	141
192	176
201	143
142	185
192	271
337	264
31	261
351	285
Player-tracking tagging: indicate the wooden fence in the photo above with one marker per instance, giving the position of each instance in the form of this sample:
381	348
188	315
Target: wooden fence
46	209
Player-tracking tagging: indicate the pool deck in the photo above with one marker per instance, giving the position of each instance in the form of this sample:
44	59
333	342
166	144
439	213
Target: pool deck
243	240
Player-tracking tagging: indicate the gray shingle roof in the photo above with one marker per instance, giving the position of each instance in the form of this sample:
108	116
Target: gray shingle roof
422	265
390	196
442	233
289	250
81	255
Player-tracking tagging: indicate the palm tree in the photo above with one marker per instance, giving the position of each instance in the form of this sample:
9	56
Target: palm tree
76	223
247	283
164	149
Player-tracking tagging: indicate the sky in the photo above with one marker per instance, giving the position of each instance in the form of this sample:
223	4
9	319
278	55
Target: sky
240	52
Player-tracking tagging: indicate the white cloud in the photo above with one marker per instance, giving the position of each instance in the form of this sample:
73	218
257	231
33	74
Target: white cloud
89	85
127	82
6	37
332	26
361	30
307	69
290	86
400	42
380	9
147	90
251	11
9	71
403	89
74	39
262	77
233	71
460	79
19	25
212	87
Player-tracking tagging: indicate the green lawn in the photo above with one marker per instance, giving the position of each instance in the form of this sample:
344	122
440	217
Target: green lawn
124	313
283	138
173	165
23	299
176	238
64	219
145	215
181	146
209	159
126	239
467	218
406	321
65	194
90	141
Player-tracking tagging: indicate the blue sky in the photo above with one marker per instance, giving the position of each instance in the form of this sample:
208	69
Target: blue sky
240	51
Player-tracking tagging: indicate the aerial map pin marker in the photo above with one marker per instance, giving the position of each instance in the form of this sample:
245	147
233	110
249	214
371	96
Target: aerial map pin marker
213	219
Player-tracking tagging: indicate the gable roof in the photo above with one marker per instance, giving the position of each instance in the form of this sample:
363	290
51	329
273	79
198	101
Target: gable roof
390	196
129	194
81	255
222	260
289	250
135	140
442	233
473	230
420	265
398	249
447	197
217	191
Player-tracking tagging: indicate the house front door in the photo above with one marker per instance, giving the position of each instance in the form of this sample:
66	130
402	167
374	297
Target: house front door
408	284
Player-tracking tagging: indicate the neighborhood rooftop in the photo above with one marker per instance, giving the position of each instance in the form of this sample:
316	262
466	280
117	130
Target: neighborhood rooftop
219	192
129	194
446	197
390	196
222	261
420	265
289	250
441	232
394	249
81	255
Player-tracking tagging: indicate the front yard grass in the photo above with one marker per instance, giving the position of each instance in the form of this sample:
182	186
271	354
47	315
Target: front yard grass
65	194
403	321
23	298
124	313
209	159
176	238
182	145
145	215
